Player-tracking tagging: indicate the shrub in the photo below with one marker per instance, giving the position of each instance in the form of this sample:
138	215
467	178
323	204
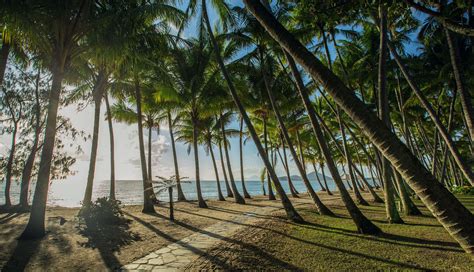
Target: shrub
462	190
103	211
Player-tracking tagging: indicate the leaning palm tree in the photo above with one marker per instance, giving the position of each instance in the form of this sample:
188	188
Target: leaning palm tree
456	218
223	12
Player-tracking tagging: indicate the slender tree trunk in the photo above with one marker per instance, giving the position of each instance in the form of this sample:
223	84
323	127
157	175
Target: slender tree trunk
35	227
147	187
150	130
238	198
288	206
98	94
201	202
271	196
375	197
360	200
328	191
408	206
181	196
363	224
384	114
435	118
322	209
4	52
170	195
150	173
227	186
293	190
112	148
246	194
30	161
219	191
456	218
323	189
464	94
9	170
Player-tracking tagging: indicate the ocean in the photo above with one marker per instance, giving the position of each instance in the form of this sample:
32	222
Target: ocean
66	193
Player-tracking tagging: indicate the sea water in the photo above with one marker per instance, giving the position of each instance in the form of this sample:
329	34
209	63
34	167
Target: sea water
66	193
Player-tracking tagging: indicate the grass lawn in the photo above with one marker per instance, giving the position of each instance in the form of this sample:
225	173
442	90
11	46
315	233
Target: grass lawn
332	243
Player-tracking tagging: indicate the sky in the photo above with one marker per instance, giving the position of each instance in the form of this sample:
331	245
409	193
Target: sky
127	152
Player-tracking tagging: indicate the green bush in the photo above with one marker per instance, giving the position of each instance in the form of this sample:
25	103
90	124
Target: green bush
462	190
103	211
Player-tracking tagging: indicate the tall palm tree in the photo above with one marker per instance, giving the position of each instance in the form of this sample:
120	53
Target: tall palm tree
456	218
288	206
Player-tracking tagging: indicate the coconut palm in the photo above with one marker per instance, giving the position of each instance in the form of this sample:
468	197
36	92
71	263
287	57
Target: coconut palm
445	207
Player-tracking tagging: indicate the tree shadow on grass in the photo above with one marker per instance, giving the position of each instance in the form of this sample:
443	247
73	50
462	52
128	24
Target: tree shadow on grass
22	254
223	262
108	239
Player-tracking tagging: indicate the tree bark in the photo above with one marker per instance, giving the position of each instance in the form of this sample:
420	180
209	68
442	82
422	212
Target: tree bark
4	52
384	114
322	209
363	224
201	202
227	186
9	170
328	191
35	227
147	187
97	94
271	196
293	190
237	197
288	206
170	195
246	194
464	94
112	148
435	118
28	168
219	191
456	218
181	196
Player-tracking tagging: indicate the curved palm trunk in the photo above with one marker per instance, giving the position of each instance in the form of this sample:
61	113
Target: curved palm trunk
322	209
293	190
408	206
98	94
112	148
201	202
35	227
246	194
219	191
324	179
464	94
271	196
288	206
4	52
150	173
227	186
323	189
363	224
181	196
435	118
8	175
238	198
147	188
360	200
384	114
454	217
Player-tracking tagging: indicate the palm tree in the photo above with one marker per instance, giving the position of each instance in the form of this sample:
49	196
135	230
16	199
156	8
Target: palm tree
456	219
290	210
167	184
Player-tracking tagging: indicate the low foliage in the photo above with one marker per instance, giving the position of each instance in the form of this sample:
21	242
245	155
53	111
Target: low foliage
462	190
103	212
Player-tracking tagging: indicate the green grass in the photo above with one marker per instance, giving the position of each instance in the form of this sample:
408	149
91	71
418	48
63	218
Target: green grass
328	243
